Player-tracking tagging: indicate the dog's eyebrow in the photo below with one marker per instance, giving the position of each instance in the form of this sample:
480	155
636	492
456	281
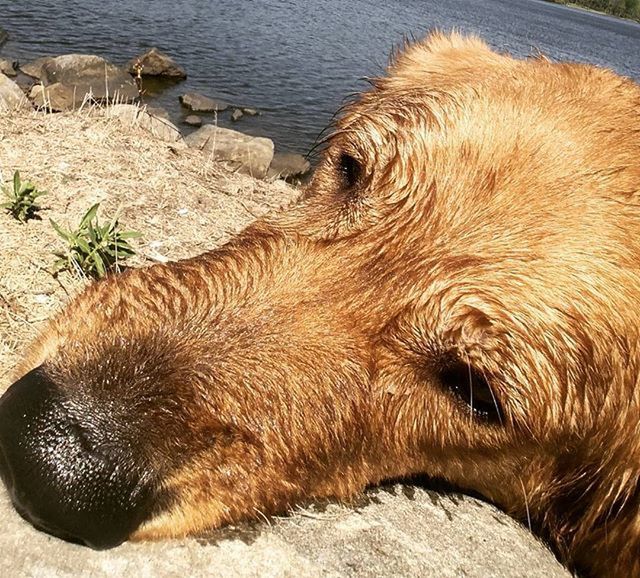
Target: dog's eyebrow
381	112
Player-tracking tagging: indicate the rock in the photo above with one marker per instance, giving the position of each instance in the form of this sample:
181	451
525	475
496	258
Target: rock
11	96
91	73
159	127
7	68
82	75
394	531
247	154
288	166
155	63
158	112
250	111
4	36
34	68
54	97
236	115
193	120
199	103
24	82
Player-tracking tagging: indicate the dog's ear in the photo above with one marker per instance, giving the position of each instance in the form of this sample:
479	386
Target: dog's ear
442	59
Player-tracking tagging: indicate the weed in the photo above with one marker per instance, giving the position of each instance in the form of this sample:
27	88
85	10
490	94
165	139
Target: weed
93	250
22	199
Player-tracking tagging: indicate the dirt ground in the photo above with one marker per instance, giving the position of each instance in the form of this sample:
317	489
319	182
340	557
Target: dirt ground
182	202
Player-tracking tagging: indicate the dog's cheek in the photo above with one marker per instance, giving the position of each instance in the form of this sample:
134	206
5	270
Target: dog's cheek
217	486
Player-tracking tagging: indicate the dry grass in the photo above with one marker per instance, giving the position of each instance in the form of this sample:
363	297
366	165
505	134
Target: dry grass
182	202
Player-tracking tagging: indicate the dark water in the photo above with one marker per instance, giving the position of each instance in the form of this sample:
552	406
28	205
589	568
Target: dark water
297	60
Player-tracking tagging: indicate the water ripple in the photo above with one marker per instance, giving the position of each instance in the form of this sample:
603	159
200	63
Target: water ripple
298	60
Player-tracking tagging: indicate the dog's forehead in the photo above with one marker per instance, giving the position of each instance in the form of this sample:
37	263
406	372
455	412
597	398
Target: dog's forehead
431	72
428	84
456	93
487	153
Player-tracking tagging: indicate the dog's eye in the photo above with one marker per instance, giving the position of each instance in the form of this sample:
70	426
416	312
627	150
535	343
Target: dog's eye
473	389
350	170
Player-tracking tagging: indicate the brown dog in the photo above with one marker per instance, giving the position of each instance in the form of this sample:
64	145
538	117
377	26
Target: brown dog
457	295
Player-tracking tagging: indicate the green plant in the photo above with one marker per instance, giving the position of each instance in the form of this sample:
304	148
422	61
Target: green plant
93	250
22	199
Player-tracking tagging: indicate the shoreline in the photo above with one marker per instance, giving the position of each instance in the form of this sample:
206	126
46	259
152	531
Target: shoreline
590	9
161	93
66	83
298	97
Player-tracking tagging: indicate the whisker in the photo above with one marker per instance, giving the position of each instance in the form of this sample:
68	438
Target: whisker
263	516
468	362
526	503
493	397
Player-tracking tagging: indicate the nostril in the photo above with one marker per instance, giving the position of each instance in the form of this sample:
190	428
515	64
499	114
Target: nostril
58	479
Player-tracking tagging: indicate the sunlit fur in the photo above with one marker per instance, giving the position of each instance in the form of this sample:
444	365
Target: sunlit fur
495	220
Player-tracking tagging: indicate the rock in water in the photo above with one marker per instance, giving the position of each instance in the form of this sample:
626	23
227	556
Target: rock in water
288	166
193	120
236	115
199	103
247	154
158	112
156	63
4	36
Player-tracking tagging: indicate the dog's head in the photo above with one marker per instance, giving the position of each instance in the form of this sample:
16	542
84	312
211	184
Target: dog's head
455	295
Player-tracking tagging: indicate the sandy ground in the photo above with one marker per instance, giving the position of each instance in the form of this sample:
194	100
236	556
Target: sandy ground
183	204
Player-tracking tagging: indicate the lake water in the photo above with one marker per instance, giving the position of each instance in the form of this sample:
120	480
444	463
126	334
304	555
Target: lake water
297	60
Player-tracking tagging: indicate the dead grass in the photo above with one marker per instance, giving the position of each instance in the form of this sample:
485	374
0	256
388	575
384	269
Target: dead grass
182	202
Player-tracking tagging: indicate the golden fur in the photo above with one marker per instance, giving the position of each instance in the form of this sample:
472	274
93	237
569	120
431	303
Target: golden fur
475	217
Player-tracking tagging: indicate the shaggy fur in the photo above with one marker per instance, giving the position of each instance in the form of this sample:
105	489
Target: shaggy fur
456	295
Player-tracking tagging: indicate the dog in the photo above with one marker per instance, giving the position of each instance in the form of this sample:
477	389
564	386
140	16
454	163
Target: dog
456	294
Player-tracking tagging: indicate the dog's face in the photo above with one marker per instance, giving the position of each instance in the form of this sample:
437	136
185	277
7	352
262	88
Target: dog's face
454	295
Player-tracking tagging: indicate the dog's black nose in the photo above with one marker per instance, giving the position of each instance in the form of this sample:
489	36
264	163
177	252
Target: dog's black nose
65	474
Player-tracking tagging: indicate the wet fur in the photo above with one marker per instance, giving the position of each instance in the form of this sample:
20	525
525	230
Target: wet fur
494	220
